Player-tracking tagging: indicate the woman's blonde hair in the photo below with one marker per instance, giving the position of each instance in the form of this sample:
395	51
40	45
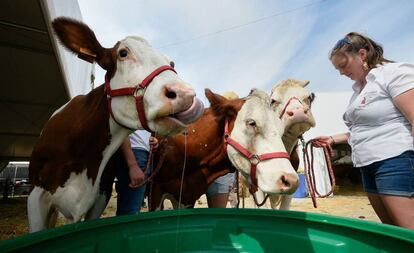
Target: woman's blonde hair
353	42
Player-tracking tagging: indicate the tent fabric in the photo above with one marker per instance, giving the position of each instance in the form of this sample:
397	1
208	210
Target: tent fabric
38	74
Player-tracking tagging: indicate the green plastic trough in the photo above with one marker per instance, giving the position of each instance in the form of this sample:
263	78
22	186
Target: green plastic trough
218	230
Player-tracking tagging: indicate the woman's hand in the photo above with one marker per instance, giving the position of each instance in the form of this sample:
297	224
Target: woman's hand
153	142
324	140
136	176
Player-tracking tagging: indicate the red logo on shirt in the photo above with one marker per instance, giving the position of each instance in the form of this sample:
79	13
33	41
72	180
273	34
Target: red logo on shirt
364	100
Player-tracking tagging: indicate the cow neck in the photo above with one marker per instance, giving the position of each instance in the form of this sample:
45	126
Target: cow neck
97	118
133	91
212	162
254	159
88	131
290	140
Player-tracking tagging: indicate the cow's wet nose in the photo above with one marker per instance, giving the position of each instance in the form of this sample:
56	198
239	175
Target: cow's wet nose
180	95
288	183
297	114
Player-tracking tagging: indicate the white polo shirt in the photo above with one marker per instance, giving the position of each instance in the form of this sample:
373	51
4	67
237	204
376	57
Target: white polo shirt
378	130
140	140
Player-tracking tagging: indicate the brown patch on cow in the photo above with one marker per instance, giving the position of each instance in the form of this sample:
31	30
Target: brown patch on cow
294	158
71	141
205	157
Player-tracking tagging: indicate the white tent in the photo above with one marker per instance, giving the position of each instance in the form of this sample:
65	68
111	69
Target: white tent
38	75
327	110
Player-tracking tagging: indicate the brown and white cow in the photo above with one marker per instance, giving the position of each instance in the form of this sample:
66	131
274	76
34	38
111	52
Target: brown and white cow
142	90
292	103
195	160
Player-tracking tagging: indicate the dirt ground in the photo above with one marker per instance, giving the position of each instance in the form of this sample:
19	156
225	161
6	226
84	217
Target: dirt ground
351	203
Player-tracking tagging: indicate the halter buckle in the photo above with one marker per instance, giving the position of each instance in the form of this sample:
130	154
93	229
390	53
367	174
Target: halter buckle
254	159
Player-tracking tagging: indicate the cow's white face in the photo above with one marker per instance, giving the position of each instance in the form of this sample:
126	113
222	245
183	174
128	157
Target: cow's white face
297	116
169	102
258	130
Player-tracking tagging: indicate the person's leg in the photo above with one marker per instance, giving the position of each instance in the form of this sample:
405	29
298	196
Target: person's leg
379	208
127	197
142	157
218	200
394	178
212	190
400	209
218	192
370	187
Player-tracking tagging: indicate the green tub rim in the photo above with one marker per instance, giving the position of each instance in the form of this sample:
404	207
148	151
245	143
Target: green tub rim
334	221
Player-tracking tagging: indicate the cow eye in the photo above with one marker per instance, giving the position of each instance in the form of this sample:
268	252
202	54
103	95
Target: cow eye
274	103
123	53
172	64
251	123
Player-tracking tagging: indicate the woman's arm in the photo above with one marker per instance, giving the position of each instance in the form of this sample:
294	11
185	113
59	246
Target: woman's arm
405	103
136	176
334	139
340	138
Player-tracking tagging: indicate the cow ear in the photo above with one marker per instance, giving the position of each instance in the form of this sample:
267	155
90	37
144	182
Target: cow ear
223	107
81	40
213	98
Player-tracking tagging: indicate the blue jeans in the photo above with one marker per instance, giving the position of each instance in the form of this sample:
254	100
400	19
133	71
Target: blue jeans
129	199
392	176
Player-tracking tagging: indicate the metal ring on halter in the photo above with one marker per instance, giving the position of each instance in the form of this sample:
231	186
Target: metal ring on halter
254	159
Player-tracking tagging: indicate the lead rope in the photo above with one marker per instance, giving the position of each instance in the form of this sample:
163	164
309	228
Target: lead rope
237	190
150	164
309	169
257	203
164	143
254	196
184	164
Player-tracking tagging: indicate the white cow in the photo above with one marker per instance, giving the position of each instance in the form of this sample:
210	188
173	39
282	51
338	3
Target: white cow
258	132
292	103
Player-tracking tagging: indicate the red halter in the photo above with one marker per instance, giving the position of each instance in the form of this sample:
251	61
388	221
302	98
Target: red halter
288	102
253	158
130	91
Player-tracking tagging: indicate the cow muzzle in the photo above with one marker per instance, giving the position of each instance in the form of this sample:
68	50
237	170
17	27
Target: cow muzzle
288	183
185	107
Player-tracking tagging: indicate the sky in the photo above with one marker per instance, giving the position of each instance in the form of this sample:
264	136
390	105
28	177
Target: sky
239	45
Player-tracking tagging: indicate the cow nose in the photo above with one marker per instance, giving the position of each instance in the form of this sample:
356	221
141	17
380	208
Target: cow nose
180	94
297	114
288	183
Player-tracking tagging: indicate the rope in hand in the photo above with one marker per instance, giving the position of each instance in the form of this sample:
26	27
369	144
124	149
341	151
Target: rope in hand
309	169
150	162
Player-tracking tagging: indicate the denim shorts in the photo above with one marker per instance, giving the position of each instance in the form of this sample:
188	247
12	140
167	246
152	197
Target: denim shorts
392	176
221	185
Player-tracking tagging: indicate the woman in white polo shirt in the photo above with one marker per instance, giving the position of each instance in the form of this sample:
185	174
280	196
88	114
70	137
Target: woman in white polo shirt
379	116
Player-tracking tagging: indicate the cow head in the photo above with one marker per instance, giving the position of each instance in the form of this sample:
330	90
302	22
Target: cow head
292	103
169	103
257	130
